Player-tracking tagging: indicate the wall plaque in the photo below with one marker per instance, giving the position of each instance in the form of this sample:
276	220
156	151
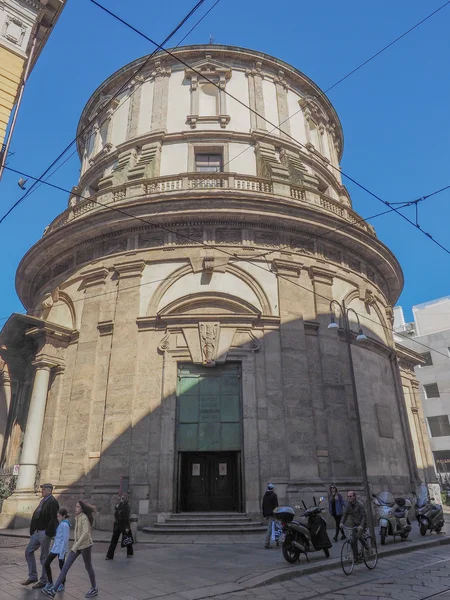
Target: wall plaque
195	469
222	468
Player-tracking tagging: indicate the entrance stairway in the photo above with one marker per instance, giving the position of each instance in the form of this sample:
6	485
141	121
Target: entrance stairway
198	523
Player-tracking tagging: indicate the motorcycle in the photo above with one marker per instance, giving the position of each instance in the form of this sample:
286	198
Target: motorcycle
303	537
430	516
392	514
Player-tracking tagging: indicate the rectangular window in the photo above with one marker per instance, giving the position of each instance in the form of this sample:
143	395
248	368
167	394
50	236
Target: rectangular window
431	390
439	426
208	163
428	360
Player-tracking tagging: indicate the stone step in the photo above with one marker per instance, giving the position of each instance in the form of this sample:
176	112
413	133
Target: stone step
208	524
222	530
208	518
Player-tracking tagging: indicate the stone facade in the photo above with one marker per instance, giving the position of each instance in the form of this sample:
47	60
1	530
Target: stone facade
159	276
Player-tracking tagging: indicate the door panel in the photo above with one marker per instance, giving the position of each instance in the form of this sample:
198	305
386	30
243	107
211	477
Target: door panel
209	481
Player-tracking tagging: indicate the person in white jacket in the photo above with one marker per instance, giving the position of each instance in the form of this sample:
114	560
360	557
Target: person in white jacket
60	547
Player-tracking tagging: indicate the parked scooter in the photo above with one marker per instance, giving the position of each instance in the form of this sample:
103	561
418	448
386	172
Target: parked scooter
303	537
392	514
430	516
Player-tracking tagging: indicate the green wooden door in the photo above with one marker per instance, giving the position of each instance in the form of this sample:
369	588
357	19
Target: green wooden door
209	408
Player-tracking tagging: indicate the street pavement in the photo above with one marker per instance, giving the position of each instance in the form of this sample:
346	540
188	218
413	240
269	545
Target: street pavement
226	568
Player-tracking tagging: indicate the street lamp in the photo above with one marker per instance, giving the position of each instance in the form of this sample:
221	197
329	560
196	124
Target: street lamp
359	338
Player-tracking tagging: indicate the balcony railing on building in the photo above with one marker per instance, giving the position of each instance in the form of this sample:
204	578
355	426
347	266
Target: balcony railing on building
197	182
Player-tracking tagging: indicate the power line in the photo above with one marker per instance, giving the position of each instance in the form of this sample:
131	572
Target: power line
114	208
244	259
361	186
103	108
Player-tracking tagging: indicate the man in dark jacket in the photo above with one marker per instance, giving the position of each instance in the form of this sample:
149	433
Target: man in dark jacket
42	529
358	515
269	504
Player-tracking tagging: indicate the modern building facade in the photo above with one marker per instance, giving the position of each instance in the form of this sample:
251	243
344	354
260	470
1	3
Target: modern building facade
176	338
25	26
429	334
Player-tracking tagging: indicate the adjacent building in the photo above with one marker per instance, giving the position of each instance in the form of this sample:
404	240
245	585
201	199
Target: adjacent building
25	26
429	334
177	338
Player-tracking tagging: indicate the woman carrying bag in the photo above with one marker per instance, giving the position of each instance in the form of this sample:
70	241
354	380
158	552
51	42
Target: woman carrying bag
336	507
121	527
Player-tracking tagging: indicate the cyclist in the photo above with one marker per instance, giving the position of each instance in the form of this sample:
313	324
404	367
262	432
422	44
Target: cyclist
356	511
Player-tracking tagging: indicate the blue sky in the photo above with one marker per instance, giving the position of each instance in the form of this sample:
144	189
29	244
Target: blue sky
394	111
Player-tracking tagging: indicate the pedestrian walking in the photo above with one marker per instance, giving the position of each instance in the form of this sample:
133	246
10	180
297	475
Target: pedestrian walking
121	526
42	529
269	504
84	518
59	549
336	505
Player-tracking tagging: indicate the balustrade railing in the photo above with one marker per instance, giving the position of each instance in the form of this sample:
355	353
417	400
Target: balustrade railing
190	182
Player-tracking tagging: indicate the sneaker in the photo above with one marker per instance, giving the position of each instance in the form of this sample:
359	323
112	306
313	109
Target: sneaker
48	586
50	593
61	587
268	546
92	592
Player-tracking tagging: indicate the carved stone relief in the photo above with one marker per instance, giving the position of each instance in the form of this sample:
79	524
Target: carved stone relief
209	339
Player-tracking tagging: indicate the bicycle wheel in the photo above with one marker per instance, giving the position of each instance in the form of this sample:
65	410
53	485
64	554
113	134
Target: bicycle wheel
370	553
347	560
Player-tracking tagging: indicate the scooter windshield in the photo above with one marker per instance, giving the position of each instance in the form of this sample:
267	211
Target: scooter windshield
386	498
422	496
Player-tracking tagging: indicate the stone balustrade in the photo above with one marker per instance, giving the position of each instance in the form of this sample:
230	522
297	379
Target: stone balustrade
189	183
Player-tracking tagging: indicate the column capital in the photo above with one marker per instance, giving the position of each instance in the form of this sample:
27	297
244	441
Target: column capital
131	268
51	344
94	276
320	275
286	268
43	363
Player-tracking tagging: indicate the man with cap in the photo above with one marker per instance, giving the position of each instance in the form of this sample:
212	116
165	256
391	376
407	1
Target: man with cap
269	504
42	529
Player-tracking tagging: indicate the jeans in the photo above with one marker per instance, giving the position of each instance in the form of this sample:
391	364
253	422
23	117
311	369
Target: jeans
42	541
337	519
117	531
50	558
71	558
269	531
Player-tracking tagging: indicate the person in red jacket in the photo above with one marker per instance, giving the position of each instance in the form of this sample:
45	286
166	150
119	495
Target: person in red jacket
269	504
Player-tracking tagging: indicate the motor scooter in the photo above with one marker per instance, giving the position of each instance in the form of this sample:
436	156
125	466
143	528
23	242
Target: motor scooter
430	516
392	514
303	537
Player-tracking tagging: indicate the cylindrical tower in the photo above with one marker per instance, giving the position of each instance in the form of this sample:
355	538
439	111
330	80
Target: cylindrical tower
181	302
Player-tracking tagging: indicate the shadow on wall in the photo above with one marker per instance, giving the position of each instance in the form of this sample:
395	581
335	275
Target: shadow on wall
277	406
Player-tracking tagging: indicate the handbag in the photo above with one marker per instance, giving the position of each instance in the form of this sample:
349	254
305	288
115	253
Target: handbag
127	539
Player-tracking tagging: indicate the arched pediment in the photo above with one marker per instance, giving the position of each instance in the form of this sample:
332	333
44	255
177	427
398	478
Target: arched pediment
209	304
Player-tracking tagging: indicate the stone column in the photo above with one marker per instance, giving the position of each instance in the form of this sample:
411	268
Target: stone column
160	97
282	104
333	401
5	403
33	431
256	97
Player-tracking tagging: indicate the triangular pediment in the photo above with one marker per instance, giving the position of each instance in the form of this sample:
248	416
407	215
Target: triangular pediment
208	66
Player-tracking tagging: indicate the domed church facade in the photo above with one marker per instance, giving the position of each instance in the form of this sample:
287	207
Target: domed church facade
176	340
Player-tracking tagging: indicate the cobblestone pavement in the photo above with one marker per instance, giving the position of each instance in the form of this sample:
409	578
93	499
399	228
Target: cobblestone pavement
192	572
416	576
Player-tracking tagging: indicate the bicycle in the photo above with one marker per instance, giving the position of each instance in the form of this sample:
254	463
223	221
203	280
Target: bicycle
367	554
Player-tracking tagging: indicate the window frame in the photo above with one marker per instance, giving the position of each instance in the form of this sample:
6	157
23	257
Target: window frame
440	424
428	385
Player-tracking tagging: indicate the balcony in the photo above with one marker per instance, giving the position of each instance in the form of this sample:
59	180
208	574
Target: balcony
189	183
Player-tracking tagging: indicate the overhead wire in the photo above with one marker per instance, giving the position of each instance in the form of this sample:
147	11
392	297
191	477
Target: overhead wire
275	127
248	260
106	106
285	134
